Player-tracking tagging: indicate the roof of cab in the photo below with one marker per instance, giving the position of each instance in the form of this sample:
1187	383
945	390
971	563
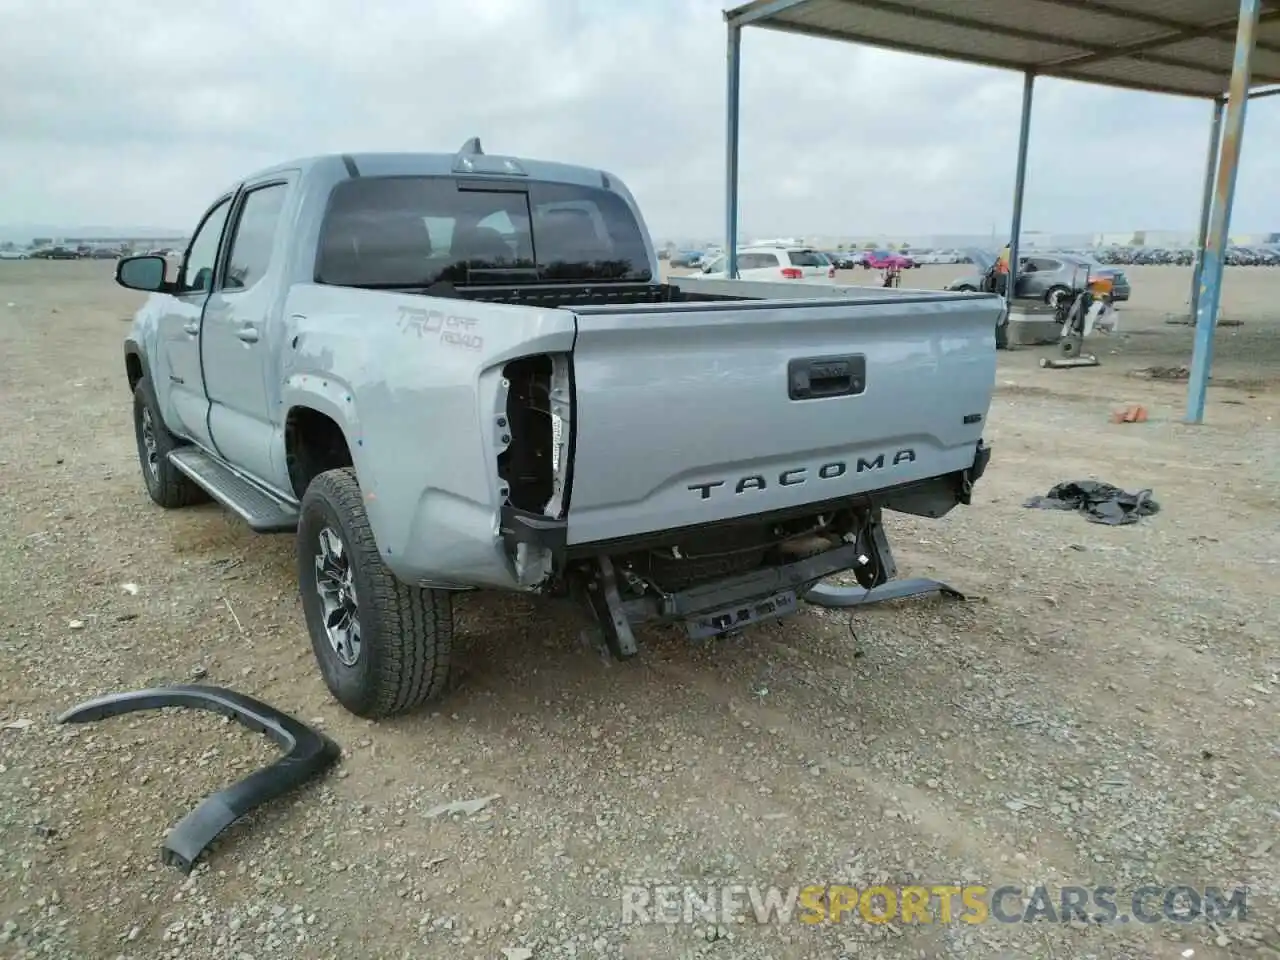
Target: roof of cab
436	164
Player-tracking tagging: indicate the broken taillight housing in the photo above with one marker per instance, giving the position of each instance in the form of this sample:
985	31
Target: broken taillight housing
533	462
559	438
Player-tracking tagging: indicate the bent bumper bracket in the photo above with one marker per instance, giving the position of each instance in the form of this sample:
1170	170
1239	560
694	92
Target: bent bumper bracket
841	597
308	753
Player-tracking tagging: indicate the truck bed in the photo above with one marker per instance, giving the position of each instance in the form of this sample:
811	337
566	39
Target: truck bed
618	417
692	289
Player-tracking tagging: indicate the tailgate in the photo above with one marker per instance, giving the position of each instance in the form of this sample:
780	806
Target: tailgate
693	413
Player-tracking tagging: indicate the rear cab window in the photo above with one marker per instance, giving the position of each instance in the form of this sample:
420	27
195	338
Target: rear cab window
413	231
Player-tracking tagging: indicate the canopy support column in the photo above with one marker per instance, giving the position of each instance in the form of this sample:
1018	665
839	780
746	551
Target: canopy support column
1020	182
1206	203
734	85
1220	223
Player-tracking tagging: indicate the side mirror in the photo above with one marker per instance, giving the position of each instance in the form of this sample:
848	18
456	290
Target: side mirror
145	273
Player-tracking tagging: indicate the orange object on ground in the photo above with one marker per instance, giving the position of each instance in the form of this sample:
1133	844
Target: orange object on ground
1134	413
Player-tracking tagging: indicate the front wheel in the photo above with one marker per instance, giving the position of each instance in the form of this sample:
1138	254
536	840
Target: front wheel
384	647
167	485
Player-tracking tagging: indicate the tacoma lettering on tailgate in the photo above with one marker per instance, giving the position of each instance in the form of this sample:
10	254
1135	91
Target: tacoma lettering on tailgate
795	476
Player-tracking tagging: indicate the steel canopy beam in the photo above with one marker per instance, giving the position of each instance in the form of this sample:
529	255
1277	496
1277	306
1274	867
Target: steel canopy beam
1091	52
1206	31
762	11
1002	63
1156	20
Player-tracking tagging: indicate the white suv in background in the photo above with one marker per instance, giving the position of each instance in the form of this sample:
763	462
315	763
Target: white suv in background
775	263
936	256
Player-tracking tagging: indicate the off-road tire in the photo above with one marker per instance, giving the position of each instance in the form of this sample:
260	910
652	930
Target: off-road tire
406	631
167	485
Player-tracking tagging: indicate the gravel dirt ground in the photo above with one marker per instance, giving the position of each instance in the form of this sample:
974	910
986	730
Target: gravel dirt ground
1102	712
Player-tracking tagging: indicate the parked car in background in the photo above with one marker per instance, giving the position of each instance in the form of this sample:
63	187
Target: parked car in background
1046	276
887	260
843	259
686	258
55	253
14	255
775	263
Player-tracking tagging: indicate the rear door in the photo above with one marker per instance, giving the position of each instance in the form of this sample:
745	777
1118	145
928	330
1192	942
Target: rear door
1046	272
693	413
237	333
759	265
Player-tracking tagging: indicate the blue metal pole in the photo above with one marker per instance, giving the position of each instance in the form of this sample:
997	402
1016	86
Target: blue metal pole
1206	202
731	151
1020	181
1224	195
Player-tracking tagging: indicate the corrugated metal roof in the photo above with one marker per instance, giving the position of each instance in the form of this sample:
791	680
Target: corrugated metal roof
1165	46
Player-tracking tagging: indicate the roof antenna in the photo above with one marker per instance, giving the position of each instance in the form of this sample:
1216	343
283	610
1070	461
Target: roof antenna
472	147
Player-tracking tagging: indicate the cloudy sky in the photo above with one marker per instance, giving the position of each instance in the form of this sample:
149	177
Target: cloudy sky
133	112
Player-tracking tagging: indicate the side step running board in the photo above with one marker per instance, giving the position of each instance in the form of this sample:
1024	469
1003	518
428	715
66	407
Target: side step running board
263	512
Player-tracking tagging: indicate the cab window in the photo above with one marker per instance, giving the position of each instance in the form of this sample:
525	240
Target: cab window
202	255
255	236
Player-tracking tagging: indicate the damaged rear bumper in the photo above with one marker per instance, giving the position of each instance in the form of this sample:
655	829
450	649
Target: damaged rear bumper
525	531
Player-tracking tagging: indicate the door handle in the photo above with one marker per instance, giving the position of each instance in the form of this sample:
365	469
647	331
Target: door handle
248	334
192	327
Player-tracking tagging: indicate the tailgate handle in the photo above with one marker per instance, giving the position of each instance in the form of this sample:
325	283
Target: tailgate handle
810	378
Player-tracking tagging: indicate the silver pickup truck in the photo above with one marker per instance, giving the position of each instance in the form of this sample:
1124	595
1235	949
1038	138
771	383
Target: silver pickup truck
445	372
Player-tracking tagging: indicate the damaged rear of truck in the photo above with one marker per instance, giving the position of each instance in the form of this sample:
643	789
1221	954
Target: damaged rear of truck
477	379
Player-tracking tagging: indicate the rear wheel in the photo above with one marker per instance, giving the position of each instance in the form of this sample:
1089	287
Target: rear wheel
167	485
1054	296
384	647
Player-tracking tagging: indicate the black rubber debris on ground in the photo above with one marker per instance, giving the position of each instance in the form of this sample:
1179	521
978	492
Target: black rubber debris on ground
1099	502
308	752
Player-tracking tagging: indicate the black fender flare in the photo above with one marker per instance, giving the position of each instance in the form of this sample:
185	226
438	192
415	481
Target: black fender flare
133	349
308	752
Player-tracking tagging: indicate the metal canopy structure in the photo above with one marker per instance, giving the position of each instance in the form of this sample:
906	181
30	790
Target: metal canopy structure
1227	51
